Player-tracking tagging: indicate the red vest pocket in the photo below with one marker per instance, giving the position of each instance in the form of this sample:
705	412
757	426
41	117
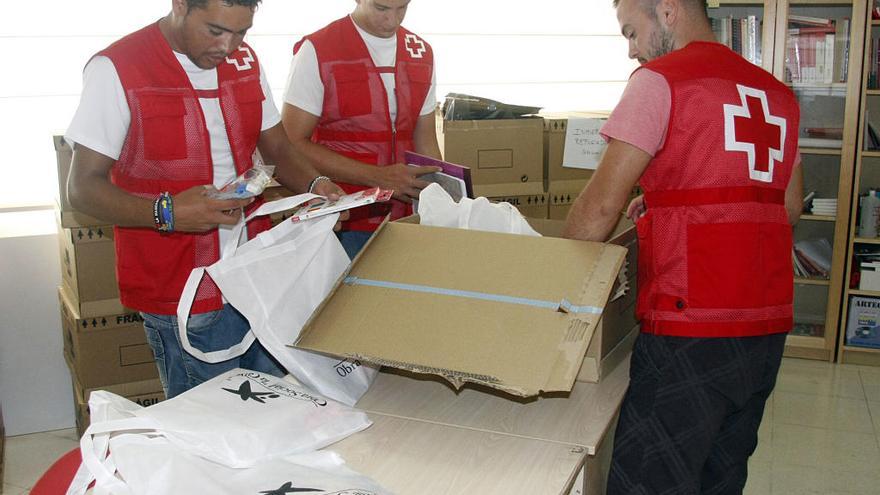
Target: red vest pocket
352	87
249	99
739	265
162	119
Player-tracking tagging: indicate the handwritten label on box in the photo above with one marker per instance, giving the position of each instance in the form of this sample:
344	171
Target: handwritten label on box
583	144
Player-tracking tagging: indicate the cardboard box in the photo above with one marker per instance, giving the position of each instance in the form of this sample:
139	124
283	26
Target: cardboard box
869	277
505	156
530	205
863	322
555	127
69	216
88	269
561	196
617	329
470	306
144	393
105	350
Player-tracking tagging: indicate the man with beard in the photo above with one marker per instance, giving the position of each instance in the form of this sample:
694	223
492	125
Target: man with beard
712	141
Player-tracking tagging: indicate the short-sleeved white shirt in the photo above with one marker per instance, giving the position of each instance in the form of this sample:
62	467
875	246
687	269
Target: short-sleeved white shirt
305	90
102	119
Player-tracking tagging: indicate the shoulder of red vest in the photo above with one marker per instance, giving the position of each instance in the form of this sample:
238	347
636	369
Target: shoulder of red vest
132	41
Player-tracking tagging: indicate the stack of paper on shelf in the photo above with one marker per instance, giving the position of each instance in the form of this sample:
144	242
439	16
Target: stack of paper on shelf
812	258
824	206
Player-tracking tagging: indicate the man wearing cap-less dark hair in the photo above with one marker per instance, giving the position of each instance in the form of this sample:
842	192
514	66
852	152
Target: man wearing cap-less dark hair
167	114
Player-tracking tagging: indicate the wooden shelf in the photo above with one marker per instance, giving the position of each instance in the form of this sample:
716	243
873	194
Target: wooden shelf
865	293
856	348
850	354
806	347
818	218
796	3
811	281
819	151
866	240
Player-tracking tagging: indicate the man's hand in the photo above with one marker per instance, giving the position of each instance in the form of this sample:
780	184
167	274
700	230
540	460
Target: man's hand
404	180
332	192
195	211
328	189
636	208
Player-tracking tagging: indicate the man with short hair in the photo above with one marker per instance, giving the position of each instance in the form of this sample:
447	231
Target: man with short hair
168	114
361	92
712	141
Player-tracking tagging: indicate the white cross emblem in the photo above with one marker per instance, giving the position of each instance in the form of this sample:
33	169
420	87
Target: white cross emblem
414	46
751	128
245	60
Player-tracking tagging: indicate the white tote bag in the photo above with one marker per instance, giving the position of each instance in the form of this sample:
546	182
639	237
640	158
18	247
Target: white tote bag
152	466
238	419
276	280
436	207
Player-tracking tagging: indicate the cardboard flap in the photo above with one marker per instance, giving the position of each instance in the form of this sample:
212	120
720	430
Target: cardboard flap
512	312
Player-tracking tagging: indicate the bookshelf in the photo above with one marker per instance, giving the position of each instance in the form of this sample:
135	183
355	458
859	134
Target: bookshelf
808	44
866	176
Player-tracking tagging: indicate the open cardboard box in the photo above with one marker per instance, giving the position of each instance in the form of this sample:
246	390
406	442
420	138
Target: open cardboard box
617	330
515	313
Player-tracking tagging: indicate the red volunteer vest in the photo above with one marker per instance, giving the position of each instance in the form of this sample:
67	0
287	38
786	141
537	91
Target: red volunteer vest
715	245
168	149
355	121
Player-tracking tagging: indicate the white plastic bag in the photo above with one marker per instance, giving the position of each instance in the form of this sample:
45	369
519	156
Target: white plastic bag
276	280
436	207
237	419
152	466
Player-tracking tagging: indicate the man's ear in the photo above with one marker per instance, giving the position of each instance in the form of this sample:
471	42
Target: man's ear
179	7
668	11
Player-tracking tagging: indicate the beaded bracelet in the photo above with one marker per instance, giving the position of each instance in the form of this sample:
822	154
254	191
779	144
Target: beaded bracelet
163	213
314	182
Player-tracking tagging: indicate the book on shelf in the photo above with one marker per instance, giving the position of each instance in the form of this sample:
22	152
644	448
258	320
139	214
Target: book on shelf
803	20
741	34
809	142
818	53
812	257
871	137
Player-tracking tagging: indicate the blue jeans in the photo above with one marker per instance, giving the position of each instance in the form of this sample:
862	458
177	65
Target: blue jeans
353	241
212	331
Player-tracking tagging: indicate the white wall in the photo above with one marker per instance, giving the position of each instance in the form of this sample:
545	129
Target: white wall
559	54
35	388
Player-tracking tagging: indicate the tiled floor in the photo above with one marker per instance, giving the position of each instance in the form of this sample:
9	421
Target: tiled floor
820	435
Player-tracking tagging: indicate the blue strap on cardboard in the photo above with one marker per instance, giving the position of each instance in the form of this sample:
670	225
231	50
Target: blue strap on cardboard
564	306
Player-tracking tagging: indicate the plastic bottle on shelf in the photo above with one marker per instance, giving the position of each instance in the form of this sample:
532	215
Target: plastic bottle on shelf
870	205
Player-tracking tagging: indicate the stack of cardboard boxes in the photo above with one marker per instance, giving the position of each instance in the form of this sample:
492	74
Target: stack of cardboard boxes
519	161
104	343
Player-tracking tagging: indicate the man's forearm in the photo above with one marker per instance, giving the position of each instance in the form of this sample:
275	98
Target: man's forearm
99	198
591	219
336	166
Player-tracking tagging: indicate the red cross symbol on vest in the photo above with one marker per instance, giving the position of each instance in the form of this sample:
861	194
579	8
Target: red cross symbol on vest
415	46
752	129
241	58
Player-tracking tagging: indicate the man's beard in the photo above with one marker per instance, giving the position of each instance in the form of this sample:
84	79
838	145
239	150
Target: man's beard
661	43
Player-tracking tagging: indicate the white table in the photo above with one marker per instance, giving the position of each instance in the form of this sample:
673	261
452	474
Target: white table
429	439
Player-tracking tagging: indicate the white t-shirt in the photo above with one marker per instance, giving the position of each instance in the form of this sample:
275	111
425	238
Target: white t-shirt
305	90
102	119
